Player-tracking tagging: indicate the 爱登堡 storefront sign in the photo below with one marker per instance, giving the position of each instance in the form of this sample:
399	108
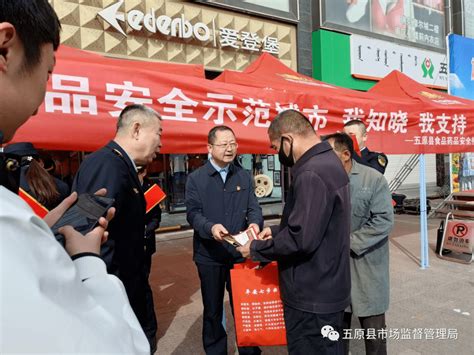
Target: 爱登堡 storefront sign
180	27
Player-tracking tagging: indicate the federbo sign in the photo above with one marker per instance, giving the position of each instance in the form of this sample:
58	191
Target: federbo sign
136	19
180	27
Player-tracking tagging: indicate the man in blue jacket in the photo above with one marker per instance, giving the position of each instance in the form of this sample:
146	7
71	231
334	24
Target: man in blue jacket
220	199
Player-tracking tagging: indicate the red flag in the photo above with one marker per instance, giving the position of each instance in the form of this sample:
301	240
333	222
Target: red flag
356	145
153	196
37	207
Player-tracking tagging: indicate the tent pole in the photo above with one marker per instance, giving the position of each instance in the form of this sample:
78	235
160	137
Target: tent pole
423	216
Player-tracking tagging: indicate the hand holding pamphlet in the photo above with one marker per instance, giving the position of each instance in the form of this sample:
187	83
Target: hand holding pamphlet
242	238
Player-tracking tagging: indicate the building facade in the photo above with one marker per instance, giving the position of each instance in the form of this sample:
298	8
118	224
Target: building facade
356	44
218	34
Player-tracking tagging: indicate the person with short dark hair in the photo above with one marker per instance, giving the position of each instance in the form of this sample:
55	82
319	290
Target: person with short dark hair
376	160
371	222
53	300
137	142
220	199
311	244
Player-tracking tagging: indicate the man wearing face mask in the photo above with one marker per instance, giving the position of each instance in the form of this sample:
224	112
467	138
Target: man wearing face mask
311	244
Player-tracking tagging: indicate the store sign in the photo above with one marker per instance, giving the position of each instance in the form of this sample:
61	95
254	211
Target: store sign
374	59
461	83
461	66
180	27
287	9
416	21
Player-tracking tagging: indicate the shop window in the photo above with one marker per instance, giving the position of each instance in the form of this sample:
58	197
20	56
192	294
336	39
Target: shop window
281	9
267	175
463	17
172	174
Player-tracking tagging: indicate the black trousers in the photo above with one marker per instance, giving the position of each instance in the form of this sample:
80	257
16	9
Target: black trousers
303	332
377	346
149	324
214	280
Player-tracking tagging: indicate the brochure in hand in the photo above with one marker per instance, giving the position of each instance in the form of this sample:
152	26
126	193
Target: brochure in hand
242	238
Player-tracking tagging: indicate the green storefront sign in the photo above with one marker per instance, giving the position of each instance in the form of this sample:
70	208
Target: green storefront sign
332	60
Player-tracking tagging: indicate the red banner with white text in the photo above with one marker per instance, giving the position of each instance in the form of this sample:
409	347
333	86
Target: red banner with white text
86	93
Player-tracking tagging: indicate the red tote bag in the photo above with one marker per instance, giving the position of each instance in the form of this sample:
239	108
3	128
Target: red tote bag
258	309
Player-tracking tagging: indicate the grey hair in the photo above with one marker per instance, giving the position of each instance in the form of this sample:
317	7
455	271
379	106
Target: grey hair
133	113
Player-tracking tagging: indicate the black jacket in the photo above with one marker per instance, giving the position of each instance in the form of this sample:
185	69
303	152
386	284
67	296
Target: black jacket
152	222
375	160
110	167
209	201
312	242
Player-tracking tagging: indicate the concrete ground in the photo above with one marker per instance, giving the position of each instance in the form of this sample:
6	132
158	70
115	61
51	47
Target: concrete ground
433	301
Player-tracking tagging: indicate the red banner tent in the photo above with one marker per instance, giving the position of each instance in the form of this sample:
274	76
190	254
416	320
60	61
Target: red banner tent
87	91
445	121
402	115
398	85
270	73
74	56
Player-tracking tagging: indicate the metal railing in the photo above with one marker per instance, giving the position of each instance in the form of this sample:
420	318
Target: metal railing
401	176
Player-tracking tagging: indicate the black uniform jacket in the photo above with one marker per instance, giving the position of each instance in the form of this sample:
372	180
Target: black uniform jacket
110	167
312	242
375	160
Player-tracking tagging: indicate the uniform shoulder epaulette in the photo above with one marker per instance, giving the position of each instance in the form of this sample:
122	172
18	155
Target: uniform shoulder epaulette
382	159
117	152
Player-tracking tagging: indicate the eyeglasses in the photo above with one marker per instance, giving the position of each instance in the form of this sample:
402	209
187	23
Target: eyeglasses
225	145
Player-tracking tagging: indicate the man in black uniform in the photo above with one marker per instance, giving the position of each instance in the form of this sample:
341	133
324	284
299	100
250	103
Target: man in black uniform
152	222
137	141
375	160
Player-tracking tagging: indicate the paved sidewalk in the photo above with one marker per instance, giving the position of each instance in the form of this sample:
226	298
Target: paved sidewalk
431	301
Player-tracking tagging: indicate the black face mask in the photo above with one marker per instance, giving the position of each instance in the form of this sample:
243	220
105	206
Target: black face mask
286	160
